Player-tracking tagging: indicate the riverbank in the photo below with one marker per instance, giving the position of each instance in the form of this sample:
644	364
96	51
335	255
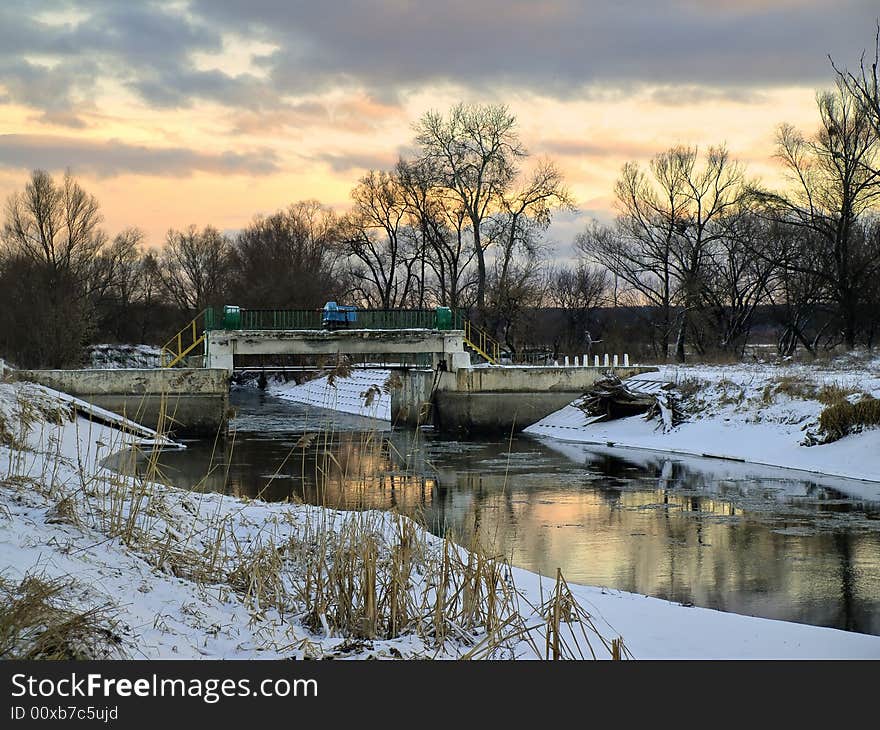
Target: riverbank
163	572
757	413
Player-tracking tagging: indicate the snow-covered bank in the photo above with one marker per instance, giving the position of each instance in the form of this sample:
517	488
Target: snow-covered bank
185	574
361	393
758	413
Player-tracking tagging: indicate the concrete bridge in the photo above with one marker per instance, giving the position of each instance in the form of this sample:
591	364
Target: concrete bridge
444	346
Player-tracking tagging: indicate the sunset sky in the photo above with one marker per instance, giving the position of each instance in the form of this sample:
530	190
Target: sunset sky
210	111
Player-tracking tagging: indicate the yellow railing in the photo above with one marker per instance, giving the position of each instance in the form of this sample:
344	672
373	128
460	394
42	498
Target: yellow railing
478	339
183	343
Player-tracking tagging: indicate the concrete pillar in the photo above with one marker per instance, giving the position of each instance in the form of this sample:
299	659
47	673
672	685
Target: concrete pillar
595	361
615	361
606	362
565	362
625	360
577	363
459	361
221	355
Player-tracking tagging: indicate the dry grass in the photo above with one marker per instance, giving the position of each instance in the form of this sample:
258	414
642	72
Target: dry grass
795	386
799	387
361	575
689	387
37	622
843	418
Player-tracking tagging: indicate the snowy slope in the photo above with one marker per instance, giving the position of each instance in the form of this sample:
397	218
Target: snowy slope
755	413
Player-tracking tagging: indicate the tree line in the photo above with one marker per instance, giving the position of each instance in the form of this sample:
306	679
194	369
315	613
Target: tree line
698	251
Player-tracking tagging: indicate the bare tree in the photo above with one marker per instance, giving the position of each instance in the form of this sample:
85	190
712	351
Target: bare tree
526	213
864	85
578	290
51	244
287	259
58	225
118	281
473	151
377	237
835	184
445	245
741	272
667	223
194	266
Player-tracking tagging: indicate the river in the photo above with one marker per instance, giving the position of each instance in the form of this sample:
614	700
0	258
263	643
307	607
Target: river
746	539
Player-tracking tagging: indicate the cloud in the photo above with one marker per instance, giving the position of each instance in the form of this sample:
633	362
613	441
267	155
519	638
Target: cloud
356	114
113	157
686	95
559	47
356	161
606	148
694	50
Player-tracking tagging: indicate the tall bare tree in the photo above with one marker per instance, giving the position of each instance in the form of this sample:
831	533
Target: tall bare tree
445	246
668	220
287	259
51	244
376	236
835	186
58	225
864	84
194	266
474	151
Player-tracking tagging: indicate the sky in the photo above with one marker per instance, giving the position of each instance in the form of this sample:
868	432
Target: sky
211	111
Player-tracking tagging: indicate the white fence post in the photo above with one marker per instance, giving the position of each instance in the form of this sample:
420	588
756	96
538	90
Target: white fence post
595	360
606	361
615	361
565	361
577	363
626	360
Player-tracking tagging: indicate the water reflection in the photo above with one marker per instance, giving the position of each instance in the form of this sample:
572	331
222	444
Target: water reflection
726	536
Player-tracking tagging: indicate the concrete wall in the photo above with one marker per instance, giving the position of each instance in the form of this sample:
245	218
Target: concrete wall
532	379
411	397
492	399
196	400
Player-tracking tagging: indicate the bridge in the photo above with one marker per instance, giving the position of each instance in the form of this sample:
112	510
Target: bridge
427	334
440	386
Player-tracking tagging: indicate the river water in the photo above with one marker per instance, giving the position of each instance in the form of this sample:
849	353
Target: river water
746	539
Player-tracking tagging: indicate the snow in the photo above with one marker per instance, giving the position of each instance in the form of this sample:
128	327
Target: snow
115	357
755	413
165	609
347	395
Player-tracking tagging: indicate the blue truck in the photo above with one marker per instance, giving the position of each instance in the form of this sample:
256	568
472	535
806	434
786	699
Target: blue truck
337	316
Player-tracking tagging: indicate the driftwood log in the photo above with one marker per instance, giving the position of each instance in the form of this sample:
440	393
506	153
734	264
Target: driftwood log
610	398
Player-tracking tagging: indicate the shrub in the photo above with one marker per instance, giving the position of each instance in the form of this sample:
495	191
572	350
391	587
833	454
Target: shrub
843	418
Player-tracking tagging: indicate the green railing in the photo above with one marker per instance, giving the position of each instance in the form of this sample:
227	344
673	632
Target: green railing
311	319
234	318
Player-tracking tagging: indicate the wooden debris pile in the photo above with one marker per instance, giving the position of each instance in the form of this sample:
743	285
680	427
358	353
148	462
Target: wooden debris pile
612	398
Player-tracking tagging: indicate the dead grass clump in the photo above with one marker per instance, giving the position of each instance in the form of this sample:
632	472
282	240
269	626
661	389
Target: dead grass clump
843	418
36	622
689	387
796	387
831	394
7	437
